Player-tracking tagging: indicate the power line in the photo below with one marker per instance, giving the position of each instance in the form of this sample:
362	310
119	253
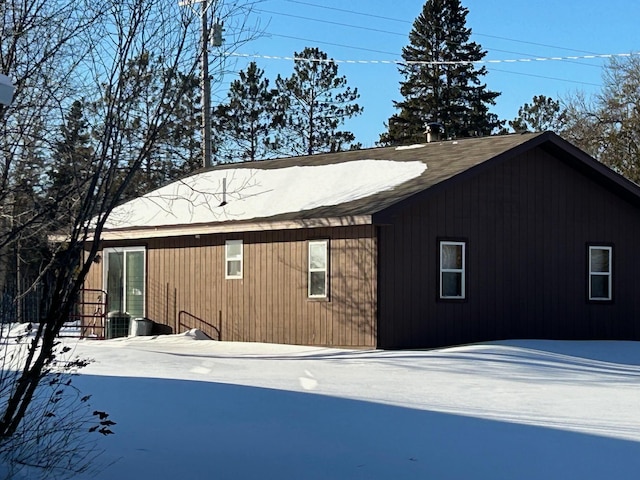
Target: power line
587	52
369	29
545	77
330	43
381	17
300	17
575	59
436	62
311	41
485	62
370	15
567	59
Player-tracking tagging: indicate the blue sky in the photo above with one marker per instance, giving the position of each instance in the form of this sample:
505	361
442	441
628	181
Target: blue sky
376	30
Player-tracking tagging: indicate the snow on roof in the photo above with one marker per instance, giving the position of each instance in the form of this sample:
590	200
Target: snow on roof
410	147
247	193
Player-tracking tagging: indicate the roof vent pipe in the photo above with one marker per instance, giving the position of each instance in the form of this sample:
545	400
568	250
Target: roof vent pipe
433	132
224	192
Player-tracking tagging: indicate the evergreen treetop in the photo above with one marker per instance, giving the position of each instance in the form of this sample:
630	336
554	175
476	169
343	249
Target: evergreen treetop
442	82
542	114
315	102
243	125
72	152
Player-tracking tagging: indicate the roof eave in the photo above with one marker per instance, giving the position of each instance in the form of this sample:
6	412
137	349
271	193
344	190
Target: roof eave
232	227
547	140
584	162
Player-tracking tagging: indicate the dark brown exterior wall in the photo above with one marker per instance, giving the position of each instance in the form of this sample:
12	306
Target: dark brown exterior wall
270	303
527	223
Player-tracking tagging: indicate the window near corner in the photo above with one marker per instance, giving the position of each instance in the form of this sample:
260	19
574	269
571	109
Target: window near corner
600	273
318	272
233	259
452	273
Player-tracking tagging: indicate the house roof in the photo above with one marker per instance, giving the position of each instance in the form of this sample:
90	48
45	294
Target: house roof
344	188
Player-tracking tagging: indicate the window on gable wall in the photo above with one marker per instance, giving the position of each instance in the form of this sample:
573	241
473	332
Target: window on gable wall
233	259
318	268
600	273
452	270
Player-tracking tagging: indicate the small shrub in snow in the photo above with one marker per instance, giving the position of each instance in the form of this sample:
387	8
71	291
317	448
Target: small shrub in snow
57	437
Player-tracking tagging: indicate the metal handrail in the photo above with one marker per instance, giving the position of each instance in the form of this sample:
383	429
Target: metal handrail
218	329
99	313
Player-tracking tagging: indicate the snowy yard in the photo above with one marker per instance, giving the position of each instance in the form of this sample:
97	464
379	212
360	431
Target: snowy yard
199	409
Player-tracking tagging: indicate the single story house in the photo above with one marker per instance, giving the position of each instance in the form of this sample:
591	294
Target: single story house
442	243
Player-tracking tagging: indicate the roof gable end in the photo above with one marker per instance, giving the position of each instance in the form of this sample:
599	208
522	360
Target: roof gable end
550	142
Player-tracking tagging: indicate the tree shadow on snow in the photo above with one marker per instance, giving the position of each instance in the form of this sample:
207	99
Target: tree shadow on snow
171	429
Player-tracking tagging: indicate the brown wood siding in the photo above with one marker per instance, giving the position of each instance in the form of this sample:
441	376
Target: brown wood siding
94	277
269	304
527	223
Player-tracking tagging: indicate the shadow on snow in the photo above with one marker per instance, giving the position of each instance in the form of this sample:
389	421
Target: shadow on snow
189	429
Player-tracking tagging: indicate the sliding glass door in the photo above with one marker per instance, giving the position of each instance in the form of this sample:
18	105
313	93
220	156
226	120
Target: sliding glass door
124	280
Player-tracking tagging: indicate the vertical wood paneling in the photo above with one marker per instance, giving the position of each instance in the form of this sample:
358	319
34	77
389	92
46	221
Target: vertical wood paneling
284	266
270	303
339	273
277	255
527	222
299	268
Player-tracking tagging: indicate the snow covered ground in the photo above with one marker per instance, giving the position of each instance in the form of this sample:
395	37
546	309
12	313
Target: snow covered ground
198	409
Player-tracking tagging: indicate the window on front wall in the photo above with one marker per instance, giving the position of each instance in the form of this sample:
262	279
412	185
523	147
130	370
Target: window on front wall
600	272
233	259
318	268
452	270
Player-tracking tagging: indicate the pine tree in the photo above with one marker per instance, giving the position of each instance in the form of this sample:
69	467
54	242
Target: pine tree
179	143
22	257
314	102
542	114
175	148
441	84
243	125
71	164
72	152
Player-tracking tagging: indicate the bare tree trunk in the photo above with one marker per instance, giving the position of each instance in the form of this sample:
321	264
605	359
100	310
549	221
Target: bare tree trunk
91	55
4	259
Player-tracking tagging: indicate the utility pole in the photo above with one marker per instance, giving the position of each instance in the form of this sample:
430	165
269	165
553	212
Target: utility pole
205	81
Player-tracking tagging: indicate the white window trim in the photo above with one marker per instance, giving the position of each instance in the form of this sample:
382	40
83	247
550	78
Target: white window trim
608	273
105	253
462	271
325	269
228	259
